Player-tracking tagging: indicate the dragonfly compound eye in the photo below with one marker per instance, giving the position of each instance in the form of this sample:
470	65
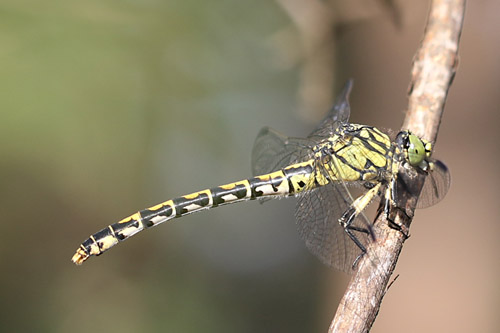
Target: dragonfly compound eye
416	150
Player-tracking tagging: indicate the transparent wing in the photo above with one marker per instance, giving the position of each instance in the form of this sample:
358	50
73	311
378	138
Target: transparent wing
338	114
317	214
273	150
436	185
318	211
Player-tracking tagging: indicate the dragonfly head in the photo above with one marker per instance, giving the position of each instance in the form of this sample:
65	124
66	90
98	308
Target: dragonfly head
415	150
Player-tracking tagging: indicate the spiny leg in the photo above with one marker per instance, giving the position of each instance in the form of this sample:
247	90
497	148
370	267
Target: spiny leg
390	206
349	216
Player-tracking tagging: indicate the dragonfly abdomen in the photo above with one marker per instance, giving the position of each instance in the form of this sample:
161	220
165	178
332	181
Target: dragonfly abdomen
285	182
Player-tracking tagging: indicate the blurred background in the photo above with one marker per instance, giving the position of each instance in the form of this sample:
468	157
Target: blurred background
108	107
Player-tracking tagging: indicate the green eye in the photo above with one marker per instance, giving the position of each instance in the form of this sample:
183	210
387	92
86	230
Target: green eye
416	150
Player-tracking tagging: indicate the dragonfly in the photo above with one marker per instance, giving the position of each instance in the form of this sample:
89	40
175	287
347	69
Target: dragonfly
321	170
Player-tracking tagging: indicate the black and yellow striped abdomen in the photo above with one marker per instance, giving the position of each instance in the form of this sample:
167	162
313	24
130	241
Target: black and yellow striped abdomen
285	182
355	153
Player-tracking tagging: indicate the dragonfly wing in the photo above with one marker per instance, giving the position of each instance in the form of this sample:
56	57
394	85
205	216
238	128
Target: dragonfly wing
273	151
317	214
337	115
436	185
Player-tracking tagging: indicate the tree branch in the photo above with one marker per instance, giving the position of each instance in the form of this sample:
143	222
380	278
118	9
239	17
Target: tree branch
433	70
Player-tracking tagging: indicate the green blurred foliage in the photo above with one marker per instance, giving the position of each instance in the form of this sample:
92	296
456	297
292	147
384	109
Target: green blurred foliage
109	106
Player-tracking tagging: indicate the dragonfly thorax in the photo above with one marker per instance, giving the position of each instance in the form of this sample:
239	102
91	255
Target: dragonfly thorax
356	153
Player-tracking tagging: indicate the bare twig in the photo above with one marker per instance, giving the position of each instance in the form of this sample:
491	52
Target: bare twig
432	74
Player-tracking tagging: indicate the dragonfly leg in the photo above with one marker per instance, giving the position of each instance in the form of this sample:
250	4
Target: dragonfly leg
352	212
390	207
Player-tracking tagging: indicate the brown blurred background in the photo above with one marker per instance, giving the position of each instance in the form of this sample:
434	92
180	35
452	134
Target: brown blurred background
111	106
